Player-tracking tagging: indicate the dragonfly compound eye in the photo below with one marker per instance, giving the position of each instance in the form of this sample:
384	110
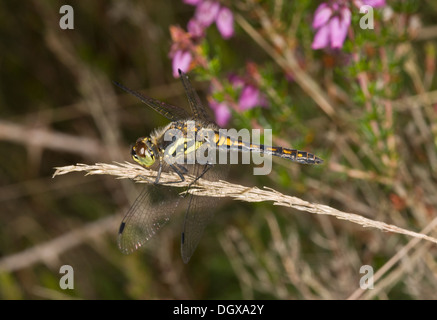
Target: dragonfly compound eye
142	154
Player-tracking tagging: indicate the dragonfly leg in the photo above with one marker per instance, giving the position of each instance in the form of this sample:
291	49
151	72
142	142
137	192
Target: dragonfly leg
175	169
182	168
158	176
205	170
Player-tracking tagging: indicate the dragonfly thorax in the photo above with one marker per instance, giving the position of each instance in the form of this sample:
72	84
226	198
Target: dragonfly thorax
143	152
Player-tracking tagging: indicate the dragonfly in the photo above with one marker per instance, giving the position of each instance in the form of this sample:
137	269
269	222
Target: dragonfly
168	149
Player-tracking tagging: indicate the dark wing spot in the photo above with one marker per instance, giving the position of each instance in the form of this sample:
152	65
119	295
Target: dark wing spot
122	225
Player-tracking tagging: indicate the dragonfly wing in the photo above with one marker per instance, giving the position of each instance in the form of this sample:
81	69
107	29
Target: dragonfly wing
196	106
151	210
200	212
172	113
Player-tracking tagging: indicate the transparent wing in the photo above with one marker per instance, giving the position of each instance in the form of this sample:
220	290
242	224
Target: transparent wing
196	106
200	212
151	210
172	113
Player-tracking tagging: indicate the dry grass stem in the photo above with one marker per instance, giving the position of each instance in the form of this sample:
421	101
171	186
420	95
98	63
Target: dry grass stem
202	187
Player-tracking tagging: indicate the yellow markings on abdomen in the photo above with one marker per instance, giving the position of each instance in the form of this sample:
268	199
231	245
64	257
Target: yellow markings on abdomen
172	149
239	143
216	138
222	140
193	147
271	149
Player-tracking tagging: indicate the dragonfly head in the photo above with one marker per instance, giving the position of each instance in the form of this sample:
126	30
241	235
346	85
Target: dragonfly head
142	152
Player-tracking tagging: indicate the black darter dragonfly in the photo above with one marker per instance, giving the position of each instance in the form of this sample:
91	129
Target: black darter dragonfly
155	205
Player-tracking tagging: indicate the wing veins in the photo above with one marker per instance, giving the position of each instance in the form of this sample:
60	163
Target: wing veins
169	111
196	106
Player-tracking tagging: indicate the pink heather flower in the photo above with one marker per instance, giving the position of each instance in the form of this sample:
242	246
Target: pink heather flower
181	60
225	23
321	39
322	15
339	27
221	111
206	12
192	2
375	3
333	23
372	3
195	28
250	97
236	80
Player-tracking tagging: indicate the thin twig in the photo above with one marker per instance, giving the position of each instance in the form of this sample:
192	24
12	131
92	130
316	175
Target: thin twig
50	139
225	189
393	261
50	251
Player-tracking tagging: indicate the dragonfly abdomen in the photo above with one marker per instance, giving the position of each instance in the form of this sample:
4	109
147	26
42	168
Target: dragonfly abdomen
291	154
295	155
